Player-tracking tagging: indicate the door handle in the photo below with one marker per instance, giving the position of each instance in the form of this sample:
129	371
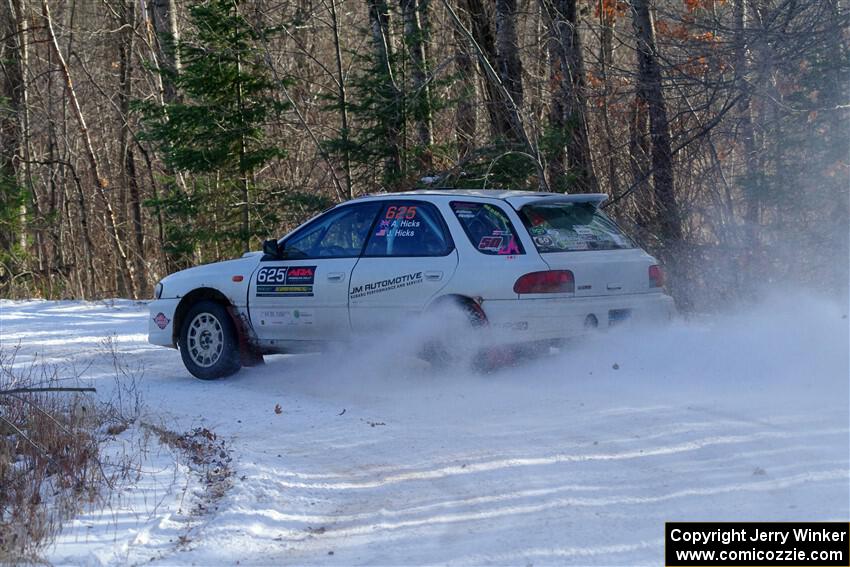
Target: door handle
615	286
434	276
336	276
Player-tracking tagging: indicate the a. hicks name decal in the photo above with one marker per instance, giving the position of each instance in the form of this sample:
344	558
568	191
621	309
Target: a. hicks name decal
381	286
286	281
398	222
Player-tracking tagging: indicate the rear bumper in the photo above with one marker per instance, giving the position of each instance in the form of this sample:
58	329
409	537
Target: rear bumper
527	320
161	322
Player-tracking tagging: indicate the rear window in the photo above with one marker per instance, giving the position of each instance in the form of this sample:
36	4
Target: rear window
569	227
488	227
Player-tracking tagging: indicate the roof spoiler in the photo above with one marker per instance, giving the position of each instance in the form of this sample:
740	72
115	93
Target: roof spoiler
519	202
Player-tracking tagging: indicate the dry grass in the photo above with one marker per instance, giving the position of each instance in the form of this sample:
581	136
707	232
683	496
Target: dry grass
50	445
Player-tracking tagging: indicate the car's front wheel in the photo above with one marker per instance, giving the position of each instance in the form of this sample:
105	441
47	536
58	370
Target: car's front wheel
208	342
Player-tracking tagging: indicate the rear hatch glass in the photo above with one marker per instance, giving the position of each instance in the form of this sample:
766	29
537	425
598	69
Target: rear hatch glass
570	227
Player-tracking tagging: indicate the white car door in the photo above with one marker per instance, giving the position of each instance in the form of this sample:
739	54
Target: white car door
303	296
409	257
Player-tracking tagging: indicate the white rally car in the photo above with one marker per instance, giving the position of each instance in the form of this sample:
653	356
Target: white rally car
532	268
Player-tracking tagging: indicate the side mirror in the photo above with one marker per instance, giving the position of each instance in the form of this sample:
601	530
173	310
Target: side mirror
271	248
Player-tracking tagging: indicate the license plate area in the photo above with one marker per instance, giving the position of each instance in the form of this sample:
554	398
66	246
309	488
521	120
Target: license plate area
617	316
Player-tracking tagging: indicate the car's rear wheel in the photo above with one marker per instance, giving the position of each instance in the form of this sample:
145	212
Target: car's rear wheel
458	343
208	342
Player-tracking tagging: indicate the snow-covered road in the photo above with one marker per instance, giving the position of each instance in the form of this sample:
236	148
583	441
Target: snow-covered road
376	459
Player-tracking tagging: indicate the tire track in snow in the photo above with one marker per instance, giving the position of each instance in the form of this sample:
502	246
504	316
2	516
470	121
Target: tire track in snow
488	466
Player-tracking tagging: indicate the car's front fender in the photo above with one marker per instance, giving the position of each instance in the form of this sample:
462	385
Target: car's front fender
230	278
161	322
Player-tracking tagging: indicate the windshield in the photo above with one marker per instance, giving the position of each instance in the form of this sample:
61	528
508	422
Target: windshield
569	227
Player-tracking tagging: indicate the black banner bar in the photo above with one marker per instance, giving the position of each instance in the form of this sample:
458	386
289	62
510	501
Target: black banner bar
757	544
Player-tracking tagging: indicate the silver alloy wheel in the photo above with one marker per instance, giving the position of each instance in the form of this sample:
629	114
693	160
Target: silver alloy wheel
205	340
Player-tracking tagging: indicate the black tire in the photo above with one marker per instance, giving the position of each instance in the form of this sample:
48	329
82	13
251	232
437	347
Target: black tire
208	342
443	352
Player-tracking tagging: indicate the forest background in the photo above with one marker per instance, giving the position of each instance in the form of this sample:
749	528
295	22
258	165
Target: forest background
138	137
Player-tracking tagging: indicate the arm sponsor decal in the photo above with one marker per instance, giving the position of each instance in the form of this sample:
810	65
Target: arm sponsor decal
301	275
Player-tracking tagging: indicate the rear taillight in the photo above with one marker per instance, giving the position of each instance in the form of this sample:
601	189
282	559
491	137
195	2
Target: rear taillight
553	281
656	276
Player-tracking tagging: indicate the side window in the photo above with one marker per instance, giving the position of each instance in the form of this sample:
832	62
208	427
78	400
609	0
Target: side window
408	228
339	234
488	227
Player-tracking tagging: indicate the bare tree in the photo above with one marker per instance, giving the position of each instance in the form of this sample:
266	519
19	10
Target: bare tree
415	41
466	115
518	131
129	176
379	23
126	282
166	36
569	107
508	64
649	85
342	93
743	79
722	124
484	42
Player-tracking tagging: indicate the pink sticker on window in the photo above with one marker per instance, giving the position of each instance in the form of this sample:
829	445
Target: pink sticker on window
490	243
511	248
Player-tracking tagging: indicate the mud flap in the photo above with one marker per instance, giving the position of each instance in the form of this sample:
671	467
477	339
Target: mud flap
249	354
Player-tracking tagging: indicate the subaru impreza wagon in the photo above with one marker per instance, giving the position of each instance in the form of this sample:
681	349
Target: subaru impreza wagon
528	268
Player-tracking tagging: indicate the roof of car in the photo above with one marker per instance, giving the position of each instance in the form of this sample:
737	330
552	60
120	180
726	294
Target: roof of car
515	198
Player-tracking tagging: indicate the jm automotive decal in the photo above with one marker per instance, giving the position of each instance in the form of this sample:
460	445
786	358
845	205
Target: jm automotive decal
283	281
386	285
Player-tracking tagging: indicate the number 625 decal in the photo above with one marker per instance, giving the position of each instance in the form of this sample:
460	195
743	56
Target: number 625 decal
402	212
271	275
